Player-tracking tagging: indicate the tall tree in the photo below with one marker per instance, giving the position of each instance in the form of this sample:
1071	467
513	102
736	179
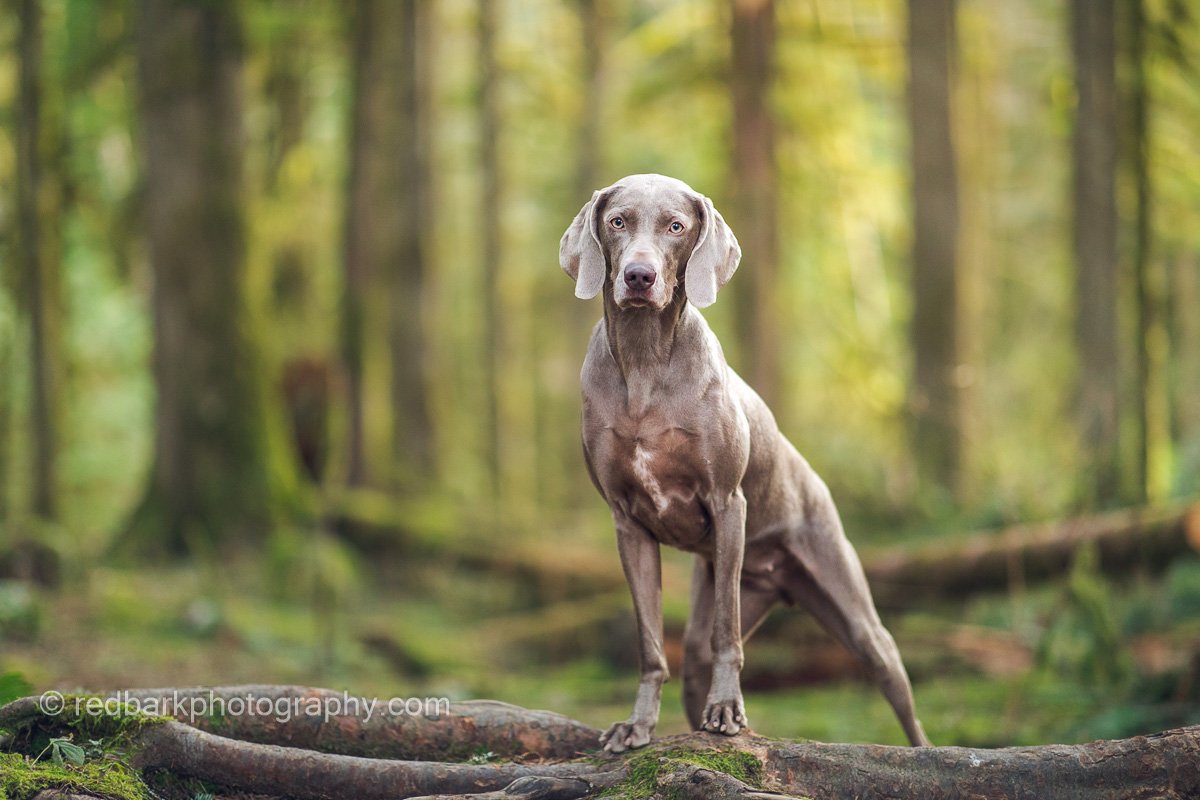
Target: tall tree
37	258
936	401
1094	161
1148	389
356	259
219	475
593	26
383	229
489	222
1138	135
7	365
755	213
412	441
1184	330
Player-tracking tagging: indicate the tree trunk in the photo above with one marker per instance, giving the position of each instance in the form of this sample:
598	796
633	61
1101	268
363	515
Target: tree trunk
589	155
356	279
1185	348
935	402
37	217
1146	385
219	474
571	321
1094	167
7	365
489	222
387	206
755	217
382	250
409	215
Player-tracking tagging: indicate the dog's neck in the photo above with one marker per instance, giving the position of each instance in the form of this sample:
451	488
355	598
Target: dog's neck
641	340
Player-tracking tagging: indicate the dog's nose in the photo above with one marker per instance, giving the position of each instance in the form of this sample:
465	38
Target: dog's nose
640	276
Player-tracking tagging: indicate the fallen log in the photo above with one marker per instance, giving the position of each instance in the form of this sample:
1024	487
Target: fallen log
699	765
1124	540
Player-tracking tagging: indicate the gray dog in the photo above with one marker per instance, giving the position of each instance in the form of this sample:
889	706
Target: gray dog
686	454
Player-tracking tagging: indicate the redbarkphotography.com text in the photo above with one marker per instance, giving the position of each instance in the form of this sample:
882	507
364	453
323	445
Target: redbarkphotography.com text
193	705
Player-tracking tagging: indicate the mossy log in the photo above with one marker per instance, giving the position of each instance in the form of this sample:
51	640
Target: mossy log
699	765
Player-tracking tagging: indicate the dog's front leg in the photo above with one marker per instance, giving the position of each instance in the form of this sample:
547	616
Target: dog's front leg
725	712
643	571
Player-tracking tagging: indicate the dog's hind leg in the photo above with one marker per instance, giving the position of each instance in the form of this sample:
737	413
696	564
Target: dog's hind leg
827	579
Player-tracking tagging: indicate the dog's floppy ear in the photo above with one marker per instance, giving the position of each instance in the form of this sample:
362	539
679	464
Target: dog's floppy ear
714	258
579	252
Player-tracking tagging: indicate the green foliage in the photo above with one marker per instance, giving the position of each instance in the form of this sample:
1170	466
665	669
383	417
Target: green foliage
12	686
20	615
482	756
64	751
1183	589
1105	660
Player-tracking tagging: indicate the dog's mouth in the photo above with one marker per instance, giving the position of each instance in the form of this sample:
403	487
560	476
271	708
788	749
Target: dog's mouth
637	300
629	297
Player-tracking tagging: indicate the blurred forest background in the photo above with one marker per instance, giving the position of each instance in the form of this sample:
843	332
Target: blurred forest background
289	371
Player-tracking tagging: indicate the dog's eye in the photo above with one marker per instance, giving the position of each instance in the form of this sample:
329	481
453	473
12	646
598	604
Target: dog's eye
617	223
675	227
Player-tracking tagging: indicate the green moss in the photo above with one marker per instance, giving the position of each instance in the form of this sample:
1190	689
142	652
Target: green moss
108	729
646	768
88	718
21	778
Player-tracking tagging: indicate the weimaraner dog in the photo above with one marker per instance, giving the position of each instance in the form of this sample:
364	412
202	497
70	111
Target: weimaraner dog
686	454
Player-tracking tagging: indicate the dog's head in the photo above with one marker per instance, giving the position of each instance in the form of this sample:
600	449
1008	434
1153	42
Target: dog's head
644	233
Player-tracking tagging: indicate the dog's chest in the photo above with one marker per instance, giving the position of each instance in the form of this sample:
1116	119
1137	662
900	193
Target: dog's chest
652	475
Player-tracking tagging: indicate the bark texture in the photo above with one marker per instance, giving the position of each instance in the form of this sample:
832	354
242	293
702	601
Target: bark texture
467	728
37	212
1165	765
490	237
1094	157
936	402
754	211
215	478
383	254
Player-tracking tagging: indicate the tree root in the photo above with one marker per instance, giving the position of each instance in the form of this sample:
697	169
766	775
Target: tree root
358	726
308	775
746	767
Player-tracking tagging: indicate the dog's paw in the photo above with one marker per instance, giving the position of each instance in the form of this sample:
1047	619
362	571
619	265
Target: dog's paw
627	735
727	717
